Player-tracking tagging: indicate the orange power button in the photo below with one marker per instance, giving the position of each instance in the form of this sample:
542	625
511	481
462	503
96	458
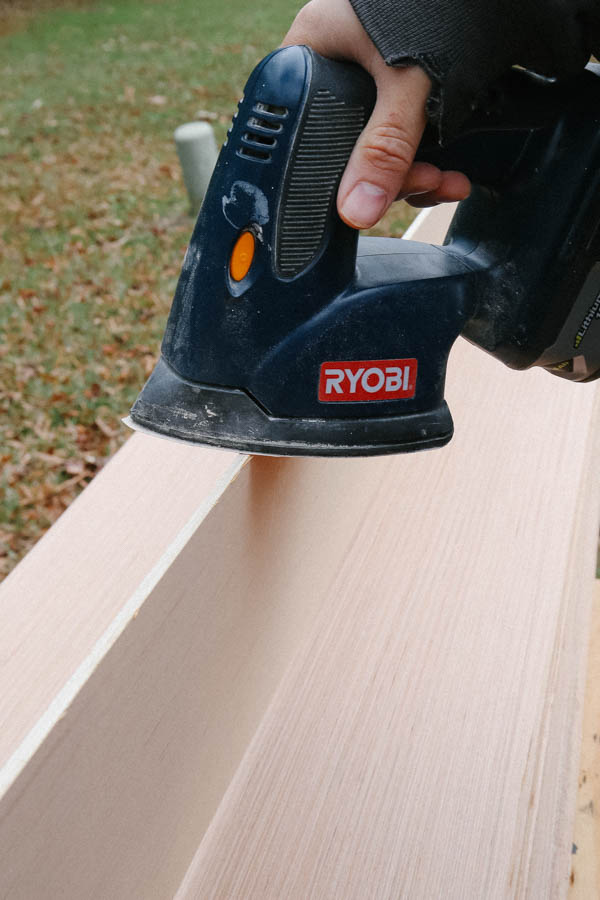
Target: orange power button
242	255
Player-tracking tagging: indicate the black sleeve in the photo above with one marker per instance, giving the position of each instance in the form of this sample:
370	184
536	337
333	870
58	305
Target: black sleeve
466	45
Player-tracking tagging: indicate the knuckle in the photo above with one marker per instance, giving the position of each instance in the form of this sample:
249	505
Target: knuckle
388	148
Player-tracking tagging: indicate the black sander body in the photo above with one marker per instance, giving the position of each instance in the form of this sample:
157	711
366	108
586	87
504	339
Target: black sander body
291	335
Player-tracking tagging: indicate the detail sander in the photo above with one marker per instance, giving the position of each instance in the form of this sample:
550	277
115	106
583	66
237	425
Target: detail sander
291	335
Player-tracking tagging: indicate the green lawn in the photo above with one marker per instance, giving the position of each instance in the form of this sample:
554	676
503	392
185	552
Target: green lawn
93	222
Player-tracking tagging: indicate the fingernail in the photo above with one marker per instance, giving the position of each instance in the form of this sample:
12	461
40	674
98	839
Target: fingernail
364	205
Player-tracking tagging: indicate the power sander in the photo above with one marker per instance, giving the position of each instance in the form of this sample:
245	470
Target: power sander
291	335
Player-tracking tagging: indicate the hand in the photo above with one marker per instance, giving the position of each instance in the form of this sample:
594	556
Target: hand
381	168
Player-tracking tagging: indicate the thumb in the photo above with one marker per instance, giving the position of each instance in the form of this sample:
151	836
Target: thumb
380	165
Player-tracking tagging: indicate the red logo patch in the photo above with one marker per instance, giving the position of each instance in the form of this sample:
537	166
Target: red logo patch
367	379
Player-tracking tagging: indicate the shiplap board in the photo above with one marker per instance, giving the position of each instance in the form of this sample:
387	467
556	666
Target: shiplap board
157	627
585	856
103	551
424	742
117	798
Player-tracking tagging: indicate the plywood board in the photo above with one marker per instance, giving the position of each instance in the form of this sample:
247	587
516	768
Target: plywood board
106	551
117	796
424	742
585	858
308	677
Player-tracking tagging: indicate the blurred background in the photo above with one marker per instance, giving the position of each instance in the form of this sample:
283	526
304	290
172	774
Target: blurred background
94	219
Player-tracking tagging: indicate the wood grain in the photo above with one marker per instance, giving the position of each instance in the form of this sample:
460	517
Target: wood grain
425	740
74	583
264	678
585	860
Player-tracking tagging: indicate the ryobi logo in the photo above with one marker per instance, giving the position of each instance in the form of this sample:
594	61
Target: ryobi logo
367	379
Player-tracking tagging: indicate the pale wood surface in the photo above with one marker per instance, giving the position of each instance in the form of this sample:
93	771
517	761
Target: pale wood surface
75	581
424	742
131	774
585	862
80	716
363	674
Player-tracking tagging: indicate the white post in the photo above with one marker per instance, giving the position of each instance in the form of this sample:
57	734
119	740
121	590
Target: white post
197	151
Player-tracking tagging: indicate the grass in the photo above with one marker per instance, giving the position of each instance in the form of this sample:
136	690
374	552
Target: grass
93	222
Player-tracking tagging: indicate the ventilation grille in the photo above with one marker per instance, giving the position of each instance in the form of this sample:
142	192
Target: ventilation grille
259	139
330	132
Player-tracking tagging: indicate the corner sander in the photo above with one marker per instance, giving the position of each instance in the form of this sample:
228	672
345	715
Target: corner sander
291	335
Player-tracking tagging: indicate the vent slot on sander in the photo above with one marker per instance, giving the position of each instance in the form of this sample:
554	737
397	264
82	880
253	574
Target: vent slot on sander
259	139
330	131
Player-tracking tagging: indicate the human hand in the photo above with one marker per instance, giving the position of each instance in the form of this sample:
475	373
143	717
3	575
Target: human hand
381	168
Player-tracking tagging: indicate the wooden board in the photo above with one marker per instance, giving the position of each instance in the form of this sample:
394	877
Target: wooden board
585	860
424	742
458	670
292	678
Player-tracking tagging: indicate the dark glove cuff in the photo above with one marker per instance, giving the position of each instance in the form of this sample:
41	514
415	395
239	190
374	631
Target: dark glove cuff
466	45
